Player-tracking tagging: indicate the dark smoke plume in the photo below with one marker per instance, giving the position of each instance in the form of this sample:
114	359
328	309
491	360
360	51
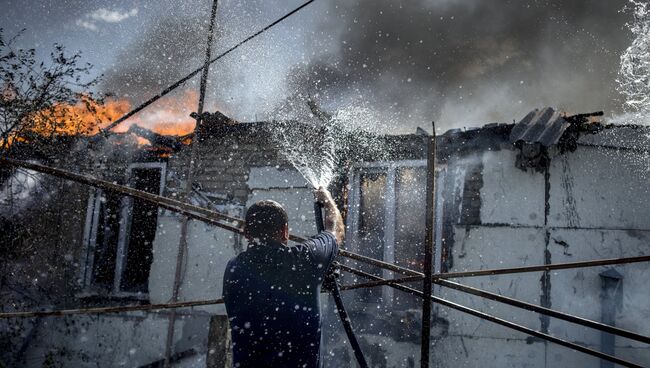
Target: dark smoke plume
461	63
471	62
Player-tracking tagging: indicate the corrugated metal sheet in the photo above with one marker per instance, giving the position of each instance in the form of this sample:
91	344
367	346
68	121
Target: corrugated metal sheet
544	126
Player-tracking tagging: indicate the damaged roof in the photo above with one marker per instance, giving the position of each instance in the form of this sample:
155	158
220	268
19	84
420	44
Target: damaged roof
545	126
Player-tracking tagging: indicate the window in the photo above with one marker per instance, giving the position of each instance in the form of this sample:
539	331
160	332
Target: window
387	221
371	237
119	235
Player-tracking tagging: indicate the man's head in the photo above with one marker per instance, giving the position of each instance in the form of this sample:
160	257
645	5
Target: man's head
266	220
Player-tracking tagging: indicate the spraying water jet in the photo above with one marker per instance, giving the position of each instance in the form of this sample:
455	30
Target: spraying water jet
319	147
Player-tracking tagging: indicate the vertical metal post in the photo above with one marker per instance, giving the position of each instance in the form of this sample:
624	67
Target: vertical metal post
428	249
188	185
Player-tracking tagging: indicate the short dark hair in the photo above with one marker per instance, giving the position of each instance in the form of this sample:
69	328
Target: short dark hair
265	220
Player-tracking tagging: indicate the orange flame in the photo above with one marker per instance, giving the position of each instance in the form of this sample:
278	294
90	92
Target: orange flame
84	118
168	117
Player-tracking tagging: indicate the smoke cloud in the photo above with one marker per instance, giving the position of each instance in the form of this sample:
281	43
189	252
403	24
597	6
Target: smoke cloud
466	63
460	63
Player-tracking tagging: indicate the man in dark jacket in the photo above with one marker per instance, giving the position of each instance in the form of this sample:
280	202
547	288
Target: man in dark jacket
272	290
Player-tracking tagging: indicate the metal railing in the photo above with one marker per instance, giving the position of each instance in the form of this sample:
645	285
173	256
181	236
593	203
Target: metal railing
234	224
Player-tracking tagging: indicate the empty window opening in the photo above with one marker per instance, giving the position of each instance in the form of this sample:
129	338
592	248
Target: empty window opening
141	232
106	239
120	233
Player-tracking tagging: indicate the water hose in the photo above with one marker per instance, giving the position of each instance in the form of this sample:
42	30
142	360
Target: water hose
330	283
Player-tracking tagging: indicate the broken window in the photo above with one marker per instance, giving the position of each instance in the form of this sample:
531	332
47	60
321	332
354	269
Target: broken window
387	221
106	215
120	233
372	208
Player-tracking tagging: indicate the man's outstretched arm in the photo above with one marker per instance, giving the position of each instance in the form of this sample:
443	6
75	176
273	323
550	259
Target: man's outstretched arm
332	217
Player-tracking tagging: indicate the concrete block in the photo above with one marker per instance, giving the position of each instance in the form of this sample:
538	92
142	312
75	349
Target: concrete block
483	248
578	291
510	195
599	188
267	177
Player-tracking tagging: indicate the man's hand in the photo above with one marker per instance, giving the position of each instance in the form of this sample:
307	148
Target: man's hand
332	218
323	196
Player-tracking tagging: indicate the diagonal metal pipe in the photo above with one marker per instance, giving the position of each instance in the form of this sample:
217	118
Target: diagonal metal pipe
527	306
418	276
500	321
549	312
116	309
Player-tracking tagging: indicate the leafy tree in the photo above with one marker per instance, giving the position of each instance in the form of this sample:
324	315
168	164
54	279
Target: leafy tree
40	101
44	99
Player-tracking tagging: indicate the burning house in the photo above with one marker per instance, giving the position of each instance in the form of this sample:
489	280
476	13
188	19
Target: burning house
550	189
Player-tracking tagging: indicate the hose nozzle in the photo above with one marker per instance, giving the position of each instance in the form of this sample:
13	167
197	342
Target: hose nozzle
318	214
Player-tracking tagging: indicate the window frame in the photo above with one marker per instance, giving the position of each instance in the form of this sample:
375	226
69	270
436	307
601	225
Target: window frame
390	168
124	221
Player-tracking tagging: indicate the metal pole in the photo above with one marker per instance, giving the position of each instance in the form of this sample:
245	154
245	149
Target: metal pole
547	267
381	264
122	308
507	271
607	326
189	182
428	250
164	202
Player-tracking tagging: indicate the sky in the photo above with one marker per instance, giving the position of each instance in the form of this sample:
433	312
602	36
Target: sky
461	63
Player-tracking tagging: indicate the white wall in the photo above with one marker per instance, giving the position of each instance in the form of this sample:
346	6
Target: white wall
138	338
599	207
600	188
209	250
